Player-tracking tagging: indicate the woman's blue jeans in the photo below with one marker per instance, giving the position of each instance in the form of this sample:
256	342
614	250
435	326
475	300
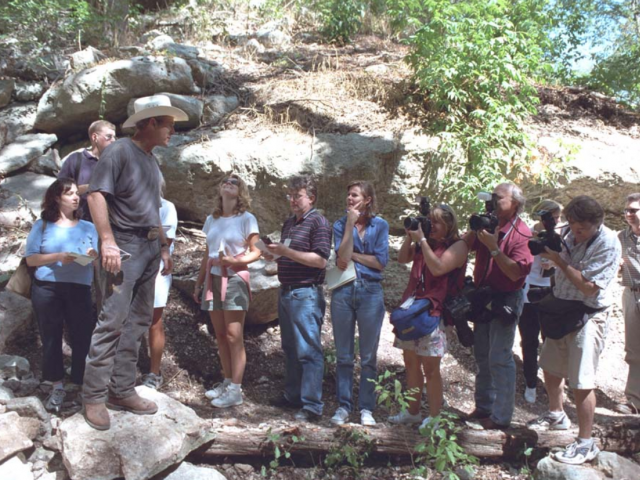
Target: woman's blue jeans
360	302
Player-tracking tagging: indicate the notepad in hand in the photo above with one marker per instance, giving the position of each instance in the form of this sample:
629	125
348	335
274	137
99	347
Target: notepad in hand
337	277
83	260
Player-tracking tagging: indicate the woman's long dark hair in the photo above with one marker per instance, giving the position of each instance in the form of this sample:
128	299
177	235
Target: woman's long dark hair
51	201
367	190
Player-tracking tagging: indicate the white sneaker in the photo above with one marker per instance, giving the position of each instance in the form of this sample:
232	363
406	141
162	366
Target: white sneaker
216	391
405	418
548	422
230	398
427	422
577	453
340	416
366	418
530	394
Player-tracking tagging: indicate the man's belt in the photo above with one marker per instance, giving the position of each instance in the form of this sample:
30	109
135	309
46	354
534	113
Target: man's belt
149	233
295	286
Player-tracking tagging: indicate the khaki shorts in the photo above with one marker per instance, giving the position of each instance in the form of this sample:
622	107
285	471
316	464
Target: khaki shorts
237	297
575	357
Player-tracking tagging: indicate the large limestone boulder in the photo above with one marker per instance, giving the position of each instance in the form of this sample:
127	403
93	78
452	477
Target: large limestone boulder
16	469
71	105
267	160
217	106
23	150
14	212
206	73
15	315
31	187
13	366
136	447
47	164
28	91
164	43
18	119
86	58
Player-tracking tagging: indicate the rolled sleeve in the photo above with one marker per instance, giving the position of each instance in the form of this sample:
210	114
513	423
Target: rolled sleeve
381	246
105	175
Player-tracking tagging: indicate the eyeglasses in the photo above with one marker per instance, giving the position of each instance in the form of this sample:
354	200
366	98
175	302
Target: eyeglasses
631	211
231	181
109	137
296	197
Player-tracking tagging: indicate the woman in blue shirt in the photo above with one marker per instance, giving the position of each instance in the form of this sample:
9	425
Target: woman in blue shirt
61	289
361	238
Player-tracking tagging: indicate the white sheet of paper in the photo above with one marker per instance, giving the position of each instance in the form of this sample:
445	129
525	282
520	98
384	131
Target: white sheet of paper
83	260
263	248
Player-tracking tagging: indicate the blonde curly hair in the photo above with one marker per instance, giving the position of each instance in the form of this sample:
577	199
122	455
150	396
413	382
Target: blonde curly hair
244	199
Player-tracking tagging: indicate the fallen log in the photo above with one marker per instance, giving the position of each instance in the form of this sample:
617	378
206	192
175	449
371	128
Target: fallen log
246	440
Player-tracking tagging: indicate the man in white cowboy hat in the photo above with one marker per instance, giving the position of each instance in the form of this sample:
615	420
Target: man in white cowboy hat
124	198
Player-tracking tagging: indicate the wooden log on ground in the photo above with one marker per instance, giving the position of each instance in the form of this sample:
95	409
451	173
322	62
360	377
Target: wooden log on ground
247	440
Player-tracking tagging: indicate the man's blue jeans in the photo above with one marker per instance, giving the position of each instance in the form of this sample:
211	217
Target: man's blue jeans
496	380
301	311
360	302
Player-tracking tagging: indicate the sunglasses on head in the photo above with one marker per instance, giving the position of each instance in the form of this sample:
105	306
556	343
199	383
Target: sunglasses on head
232	181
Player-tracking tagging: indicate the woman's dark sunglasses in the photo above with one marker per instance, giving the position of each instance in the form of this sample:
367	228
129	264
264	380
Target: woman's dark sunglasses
232	181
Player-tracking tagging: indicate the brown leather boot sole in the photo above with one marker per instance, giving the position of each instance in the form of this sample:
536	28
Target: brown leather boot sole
133	408
93	424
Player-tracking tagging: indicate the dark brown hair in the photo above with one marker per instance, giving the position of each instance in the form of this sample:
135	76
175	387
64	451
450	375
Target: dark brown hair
304	181
584	209
51	201
367	190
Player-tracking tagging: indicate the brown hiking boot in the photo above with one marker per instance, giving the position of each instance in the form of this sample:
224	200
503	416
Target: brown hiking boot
96	415
134	404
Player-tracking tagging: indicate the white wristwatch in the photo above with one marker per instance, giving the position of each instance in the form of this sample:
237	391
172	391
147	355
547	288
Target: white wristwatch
495	253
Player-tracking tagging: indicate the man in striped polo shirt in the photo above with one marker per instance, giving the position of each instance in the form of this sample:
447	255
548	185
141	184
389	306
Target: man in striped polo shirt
630	241
305	248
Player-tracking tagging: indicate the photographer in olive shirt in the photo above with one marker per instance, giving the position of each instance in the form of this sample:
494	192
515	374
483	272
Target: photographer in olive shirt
124	198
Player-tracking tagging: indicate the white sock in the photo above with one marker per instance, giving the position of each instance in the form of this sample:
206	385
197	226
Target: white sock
234	387
585	441
226	382
556	415
58	386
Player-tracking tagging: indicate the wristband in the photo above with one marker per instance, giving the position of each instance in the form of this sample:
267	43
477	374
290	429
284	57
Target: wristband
423	239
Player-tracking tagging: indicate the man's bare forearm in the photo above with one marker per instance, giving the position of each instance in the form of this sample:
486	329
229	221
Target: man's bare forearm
100	215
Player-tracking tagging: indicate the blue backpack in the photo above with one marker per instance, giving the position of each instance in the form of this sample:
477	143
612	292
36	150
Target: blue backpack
414	322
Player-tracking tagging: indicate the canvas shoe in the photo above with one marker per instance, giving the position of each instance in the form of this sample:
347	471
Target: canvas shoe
405	418
230	398
578	453
548	422
429	421
151	380
530	394
216	391
366	418
305	415
340	417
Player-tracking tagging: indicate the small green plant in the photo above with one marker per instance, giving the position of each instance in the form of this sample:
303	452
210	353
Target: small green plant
526	469
330	358
390	392
441	450
352	448
281	449
341	19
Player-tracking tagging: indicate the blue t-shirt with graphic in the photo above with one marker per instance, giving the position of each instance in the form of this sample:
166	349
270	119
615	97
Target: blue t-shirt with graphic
55	239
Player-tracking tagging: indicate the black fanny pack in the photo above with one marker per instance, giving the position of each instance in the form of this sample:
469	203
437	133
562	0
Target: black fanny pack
558	318
536	293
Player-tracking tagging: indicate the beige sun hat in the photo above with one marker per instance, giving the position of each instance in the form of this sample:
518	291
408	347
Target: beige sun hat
154	106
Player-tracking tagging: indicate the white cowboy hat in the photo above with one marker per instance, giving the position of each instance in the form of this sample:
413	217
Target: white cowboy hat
154	106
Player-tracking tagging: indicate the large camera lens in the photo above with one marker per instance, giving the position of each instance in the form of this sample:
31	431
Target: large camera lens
411	223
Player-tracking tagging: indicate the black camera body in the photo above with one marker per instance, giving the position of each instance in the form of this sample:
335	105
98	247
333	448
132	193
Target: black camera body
485	221
547	238
423	220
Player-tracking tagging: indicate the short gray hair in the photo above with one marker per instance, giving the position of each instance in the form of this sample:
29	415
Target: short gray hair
634	197
516	194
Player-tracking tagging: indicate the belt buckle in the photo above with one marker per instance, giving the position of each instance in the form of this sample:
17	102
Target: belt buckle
153	234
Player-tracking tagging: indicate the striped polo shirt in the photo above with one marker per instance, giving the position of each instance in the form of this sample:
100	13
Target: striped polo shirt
631	258
311	233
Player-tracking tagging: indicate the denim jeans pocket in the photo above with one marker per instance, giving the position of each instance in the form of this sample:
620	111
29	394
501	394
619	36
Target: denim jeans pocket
123	238
303	294
373	287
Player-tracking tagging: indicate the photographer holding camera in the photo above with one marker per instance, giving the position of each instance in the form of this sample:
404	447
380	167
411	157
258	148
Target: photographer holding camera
538	285
503	261
437	254
574	320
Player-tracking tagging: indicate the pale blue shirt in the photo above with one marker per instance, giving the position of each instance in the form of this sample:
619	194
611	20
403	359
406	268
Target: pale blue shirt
55	239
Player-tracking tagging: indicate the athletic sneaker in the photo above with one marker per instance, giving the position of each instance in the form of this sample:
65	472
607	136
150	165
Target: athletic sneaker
216	391
578	453
55	400
340	416
530	394
428	421
366	418
549	422
230	398
152	380
405	418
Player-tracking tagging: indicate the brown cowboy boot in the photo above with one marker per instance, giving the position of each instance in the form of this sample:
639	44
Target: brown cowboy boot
134	404
96	415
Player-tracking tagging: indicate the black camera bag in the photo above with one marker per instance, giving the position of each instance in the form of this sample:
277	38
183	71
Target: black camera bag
558	318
